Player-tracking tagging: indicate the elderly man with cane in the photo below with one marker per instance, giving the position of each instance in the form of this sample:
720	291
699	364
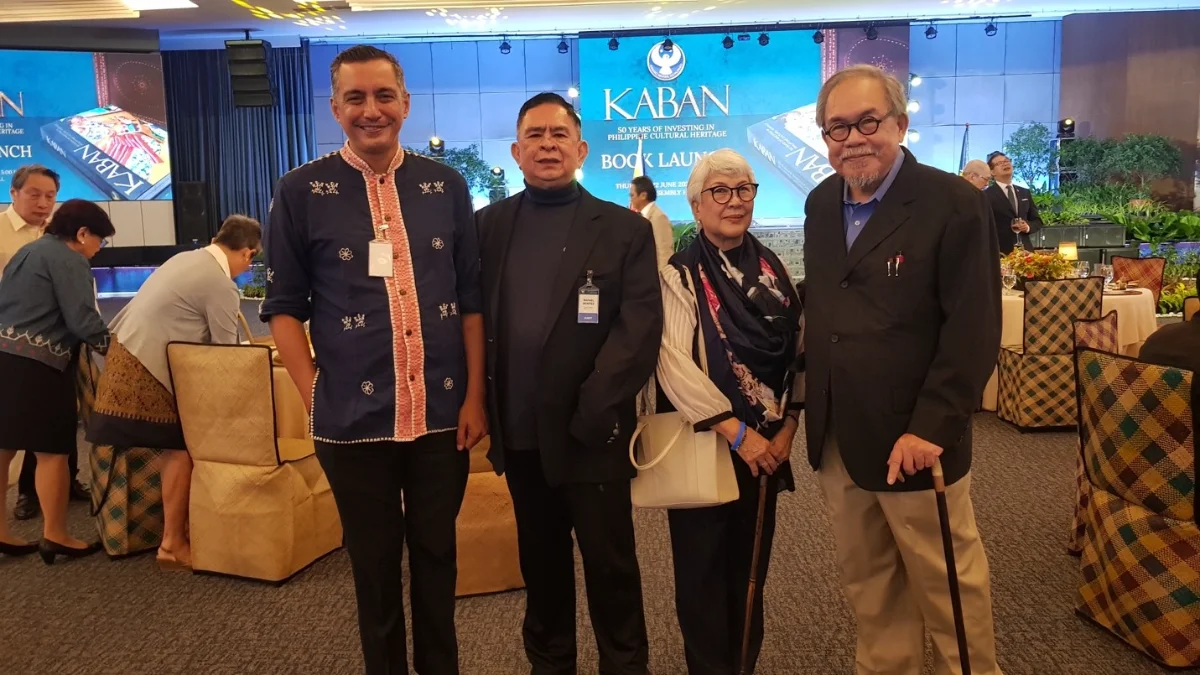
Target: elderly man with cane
902	332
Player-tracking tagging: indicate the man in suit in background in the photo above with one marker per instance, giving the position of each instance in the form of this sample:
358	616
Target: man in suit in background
1011	203
1176	345
977	173
903	328
642	196
573	315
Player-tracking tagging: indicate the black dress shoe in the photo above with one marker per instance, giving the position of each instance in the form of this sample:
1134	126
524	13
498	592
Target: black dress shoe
79	493
49	549
16	550
27	507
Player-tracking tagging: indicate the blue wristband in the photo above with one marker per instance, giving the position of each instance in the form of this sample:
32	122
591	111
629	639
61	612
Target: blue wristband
737	443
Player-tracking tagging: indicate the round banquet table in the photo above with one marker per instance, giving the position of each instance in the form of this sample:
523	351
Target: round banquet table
1135	323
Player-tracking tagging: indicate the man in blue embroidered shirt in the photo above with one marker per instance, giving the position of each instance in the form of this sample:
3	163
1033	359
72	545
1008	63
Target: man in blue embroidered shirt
376	248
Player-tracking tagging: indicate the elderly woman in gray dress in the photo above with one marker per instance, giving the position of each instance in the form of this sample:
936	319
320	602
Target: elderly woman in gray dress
191	298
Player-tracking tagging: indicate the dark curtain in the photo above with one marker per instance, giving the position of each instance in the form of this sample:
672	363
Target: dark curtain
238	153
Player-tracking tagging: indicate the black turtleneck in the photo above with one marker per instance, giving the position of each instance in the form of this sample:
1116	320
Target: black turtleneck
538	238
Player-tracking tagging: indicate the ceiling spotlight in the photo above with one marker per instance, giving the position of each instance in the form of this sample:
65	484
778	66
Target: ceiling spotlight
505	47
668	46
573	92
613	44
871	32
914	106
497	172
727	42
914	136
563	47
819	37
1066	128
437	147
990	29
930	32
915	80
764	39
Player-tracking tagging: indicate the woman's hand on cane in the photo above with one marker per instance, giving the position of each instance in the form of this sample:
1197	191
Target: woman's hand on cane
756	452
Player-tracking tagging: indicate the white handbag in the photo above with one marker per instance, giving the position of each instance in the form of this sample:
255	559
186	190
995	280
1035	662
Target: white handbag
678	467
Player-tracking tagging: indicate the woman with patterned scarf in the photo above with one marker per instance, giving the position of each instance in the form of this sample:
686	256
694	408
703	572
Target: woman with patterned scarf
750	321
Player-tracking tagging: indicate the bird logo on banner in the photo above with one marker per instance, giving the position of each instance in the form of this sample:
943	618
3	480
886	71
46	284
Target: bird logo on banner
666	61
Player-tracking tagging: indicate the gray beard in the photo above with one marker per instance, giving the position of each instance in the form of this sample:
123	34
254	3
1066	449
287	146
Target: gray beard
864	182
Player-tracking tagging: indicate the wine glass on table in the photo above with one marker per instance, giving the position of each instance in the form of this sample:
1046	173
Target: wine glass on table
1008	278
1082	269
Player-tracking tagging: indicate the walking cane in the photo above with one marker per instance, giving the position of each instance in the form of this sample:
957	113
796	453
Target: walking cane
758	525
939	490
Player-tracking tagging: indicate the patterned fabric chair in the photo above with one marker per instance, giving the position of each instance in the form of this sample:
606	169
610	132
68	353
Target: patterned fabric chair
1190	307
1037	380
261	507
1145	272
1140	565
1100	334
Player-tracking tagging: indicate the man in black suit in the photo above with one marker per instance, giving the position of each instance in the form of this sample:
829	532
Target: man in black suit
1176	345
902	332
1011	203
573	314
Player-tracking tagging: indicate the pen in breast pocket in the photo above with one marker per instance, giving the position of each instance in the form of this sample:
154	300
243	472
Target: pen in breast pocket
899	261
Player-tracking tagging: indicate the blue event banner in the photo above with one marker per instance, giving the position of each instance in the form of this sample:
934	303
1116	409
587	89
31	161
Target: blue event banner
680	104
98	119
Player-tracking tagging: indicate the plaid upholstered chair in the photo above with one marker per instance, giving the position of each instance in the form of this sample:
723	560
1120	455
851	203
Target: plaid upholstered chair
1190	307
1140	564
261	507
1098	334
1037	379
1145	272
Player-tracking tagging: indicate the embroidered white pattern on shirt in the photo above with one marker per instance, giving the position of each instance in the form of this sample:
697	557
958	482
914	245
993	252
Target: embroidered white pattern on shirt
438	243
426	188
368	388
270	276
445	309
346	255
454	309
439	186
360	320
347	323
320	188
448	384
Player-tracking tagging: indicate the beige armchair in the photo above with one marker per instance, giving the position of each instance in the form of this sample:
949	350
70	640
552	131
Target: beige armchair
261	506
487	532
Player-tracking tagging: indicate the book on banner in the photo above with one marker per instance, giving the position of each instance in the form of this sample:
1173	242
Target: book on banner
791	142
123	154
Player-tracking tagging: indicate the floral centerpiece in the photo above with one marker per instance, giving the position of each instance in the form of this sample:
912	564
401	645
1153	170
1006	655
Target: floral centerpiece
1037	266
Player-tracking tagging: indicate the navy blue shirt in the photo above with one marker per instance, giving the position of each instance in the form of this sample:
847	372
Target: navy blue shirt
855	215
391	362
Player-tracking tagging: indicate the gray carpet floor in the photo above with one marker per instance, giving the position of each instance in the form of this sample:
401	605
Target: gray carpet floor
104	616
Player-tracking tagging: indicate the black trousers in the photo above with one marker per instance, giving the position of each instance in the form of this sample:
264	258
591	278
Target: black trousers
25	482
602	517
384	492
712	548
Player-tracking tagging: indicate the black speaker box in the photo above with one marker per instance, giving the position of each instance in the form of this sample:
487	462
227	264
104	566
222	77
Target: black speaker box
191	214
248	73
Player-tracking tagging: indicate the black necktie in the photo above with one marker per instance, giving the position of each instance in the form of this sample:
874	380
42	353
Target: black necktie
1012	199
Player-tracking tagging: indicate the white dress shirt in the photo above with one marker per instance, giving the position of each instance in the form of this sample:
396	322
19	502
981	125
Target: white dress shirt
14	233
664	236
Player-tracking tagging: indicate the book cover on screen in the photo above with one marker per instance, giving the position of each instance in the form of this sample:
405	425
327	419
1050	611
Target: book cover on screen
123	154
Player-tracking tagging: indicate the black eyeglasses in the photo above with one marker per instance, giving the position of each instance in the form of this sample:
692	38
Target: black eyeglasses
722	194
867	126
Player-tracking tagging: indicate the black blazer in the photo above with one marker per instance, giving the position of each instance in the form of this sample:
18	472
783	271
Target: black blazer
1002	211
589	374
888	355
1176	345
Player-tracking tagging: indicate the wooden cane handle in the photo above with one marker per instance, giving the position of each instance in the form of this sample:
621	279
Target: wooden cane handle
939	478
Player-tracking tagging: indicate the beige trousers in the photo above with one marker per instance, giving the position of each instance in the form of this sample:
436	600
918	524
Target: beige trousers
893	569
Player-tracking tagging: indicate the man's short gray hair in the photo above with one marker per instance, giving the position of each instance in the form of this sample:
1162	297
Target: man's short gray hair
22	175
723	162
893	90
977	167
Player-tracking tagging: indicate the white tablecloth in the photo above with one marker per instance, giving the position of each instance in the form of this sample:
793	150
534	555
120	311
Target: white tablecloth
1135	323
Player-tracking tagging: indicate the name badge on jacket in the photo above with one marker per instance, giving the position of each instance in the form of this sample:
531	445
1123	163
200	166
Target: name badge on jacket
589	302
380	254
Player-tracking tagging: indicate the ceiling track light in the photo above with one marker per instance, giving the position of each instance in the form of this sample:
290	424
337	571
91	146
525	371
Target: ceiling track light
819	37
667	45
614	44
931	32
990	29
872	32
727	42
563	47
505	47
764	39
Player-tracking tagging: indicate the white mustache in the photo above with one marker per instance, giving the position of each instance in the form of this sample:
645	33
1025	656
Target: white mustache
851	153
